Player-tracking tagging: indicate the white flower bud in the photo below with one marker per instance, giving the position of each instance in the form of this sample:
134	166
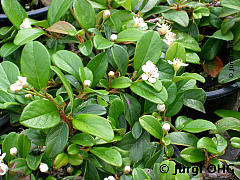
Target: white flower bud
113	37
43	167
111	74
25	24
16	87
111	178
23	81
106	14
3	169
87	83
13	151
70	169
28	96
166	127
161	107
127	169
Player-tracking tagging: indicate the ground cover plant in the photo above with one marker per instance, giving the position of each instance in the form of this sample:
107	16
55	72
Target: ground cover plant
98	87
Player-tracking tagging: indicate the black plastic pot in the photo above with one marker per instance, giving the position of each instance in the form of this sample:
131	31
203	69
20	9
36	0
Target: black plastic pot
35	14
224	98
4	124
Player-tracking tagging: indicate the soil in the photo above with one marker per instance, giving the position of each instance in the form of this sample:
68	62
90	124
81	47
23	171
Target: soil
28	5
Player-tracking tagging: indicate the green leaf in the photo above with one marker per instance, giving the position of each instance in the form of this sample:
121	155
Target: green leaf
9	142
57	9
195	98
149	5
35	64
68	61
56	140
180	17
90	109
120	57
187	41
149	47
167	170
33	161
91	171
98	65
14	11
84	13
208	144
235	142
230	72
101	43
187	75
132	108
199	125
115	110
176	50
136	130
175	106
85	74
63	27
139	174
20	166
83	139
182	138
221	143
66	84
6	97
27	35
36	136
227	123
171	90
23	145
131	34
144	90
7	49
121	82
199	12
75	160
86	47
60	161
93	124
40	114
185	85
227	113
151	125
192	155
226	37
233	4
9	73
192	57
210	49
110	156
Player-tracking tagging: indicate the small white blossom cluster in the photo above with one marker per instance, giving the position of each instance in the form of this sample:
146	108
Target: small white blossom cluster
19	84
177	63
139	23
109	178
165	29
169	38
150	72
25	24
3	167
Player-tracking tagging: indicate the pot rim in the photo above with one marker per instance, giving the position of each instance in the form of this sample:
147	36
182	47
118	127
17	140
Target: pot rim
32	13
216	94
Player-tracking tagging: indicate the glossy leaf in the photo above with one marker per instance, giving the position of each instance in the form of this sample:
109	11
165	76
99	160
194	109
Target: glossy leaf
187	41
199	125
83	139
192	155
101	43
180	17
208	144
23	145
227	123
86	48
182	138
176	50
131	34
63	27
121	82
230	72
7	49
40	114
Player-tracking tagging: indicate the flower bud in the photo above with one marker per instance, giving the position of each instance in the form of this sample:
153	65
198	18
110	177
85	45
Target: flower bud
70	169
127	169
166	127
13	151
43	167
113	37
111	74
16	87
106	14
3	169
109	178
28	96
23	81
87	83
161	107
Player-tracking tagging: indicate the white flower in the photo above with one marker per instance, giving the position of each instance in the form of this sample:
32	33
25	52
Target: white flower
111	74
25	24
163	28
42	148
109	178
106	14
150	72
166	127
113	37
2	157
13	151
169	38
16	87
127	169
161	107
87	83
3	169
139	23
23	81
43	167
177	63
28	96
